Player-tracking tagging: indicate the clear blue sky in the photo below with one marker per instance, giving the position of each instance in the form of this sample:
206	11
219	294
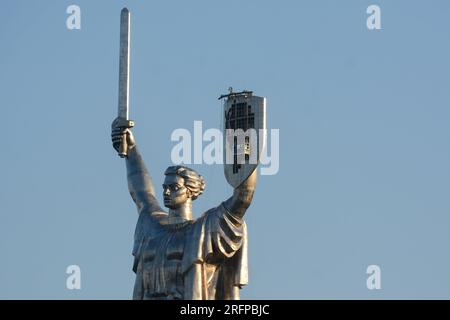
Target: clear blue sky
364	140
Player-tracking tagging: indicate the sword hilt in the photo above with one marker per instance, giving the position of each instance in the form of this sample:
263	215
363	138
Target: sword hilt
124	124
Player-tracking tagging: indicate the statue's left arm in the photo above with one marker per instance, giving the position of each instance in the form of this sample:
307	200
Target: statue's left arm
242	196
223	242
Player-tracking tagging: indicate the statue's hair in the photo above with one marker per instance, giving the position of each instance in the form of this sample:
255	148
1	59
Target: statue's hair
192	180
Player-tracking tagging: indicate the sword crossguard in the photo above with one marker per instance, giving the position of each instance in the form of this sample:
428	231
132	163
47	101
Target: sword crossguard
124	124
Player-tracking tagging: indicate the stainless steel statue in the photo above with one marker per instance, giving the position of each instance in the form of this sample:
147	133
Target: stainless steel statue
175	255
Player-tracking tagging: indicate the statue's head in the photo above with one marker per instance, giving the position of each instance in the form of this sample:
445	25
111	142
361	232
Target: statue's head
180	185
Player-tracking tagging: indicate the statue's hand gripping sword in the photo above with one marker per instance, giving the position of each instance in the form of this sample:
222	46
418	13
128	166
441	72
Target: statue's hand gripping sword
124	79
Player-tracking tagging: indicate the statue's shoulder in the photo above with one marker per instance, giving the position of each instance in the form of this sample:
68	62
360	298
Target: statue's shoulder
219	216
160	217
149	225
212	213
149	221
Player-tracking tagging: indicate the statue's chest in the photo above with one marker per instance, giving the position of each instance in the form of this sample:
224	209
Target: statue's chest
168	245
161	259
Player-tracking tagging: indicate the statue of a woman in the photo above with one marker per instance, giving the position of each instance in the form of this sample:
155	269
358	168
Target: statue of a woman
175	256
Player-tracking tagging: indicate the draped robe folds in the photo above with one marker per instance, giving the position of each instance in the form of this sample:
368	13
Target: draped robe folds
214	253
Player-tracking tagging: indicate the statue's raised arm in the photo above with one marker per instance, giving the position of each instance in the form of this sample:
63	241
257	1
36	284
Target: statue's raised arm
242	196
140	183
244	120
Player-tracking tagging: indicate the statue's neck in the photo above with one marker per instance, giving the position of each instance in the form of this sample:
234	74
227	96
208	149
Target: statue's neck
181	214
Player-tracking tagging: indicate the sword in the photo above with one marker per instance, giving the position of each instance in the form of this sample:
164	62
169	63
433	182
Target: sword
124	79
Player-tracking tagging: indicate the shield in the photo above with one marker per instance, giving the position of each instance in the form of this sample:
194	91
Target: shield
244	125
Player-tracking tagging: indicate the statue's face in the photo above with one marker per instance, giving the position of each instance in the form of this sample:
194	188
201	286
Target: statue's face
175	193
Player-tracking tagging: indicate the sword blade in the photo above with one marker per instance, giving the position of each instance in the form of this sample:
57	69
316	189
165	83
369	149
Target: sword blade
124	64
